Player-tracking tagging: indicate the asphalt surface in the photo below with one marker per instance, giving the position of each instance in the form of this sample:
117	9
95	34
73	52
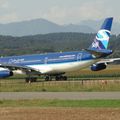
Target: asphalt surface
59	95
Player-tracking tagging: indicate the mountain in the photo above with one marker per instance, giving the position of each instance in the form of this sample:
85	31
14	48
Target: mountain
96	25
40	26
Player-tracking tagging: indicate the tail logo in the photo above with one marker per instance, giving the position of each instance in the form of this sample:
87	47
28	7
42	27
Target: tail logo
103	35
95	44
102	39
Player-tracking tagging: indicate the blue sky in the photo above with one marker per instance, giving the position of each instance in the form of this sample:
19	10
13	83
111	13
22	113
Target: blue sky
59	11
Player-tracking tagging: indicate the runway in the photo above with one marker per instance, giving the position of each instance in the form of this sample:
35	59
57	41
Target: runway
59	95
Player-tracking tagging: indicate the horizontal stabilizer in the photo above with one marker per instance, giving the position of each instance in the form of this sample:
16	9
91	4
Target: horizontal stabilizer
99	53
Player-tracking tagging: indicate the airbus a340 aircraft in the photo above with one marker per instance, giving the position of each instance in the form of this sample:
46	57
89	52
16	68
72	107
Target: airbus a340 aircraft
57	64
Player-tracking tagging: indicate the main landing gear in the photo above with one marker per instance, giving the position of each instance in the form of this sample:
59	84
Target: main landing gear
30	79
57	78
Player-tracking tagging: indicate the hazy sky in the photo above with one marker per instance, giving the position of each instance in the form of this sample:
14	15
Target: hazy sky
59	11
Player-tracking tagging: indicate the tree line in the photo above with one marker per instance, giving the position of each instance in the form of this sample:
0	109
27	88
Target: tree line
54	42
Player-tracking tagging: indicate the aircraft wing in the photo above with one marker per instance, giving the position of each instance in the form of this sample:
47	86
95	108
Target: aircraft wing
111	60
18	67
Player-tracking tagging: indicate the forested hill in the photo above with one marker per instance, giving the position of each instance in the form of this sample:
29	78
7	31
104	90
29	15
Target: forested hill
54	42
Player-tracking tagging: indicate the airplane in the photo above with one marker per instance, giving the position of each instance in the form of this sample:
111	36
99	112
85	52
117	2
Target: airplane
55	65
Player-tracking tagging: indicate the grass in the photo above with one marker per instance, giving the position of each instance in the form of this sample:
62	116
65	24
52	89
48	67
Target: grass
61	103
84	80
68	86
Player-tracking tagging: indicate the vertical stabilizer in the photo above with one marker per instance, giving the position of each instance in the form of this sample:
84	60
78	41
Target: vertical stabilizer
102	38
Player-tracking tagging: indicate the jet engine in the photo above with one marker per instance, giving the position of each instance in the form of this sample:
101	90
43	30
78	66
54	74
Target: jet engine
5	73
99	66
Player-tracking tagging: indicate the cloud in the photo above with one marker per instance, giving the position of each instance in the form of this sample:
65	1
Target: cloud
89	9
6	15
4	4
72	14
10	17
58	11
55	14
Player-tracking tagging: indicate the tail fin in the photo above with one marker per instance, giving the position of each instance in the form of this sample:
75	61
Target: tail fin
102	38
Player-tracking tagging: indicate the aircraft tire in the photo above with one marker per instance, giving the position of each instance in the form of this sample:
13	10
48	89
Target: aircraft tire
31	79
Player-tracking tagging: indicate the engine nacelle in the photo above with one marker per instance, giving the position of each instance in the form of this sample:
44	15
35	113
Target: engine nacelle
5	73
97	67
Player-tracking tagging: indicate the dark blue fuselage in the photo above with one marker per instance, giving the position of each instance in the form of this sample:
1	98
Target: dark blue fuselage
51	58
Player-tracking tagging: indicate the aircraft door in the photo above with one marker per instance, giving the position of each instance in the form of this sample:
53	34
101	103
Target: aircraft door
79	56
46	60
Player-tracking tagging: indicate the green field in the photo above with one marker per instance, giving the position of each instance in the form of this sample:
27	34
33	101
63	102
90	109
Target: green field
84	80
69	86
60	103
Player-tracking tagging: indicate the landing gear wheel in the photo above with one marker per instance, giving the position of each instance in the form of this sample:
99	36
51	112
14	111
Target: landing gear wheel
48	78
58	78
64	77
30	79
